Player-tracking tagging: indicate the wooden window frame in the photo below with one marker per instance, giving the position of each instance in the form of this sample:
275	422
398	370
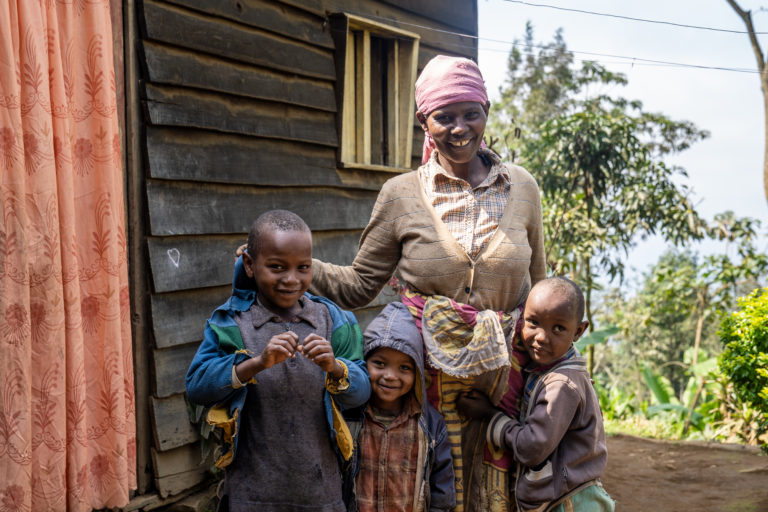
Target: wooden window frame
362	44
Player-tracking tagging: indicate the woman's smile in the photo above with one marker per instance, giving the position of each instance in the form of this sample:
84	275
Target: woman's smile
461	143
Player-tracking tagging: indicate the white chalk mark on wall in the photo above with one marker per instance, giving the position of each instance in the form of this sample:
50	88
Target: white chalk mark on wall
174	256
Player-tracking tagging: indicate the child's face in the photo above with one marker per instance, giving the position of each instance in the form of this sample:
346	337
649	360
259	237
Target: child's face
282	269
392	375
550	325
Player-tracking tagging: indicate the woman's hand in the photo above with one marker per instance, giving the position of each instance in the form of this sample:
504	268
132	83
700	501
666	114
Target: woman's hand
476	405
240	250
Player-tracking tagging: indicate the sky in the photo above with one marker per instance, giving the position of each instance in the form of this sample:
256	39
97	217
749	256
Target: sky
725	170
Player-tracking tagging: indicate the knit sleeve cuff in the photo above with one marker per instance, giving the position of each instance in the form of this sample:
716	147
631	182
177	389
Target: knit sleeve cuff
336	386
495	432
236	383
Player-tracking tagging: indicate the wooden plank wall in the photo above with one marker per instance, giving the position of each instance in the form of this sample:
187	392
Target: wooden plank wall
239	107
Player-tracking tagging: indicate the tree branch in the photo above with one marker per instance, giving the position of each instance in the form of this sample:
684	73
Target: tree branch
746	17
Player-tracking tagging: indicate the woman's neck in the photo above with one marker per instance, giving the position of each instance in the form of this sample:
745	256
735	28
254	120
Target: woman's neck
473	172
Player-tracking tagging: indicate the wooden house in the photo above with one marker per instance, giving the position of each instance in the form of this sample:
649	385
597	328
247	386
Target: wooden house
235	107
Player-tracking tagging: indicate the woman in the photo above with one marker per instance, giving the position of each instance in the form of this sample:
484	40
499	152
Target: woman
464	232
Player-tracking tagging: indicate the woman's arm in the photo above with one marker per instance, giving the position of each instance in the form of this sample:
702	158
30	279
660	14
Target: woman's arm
354	286
538	267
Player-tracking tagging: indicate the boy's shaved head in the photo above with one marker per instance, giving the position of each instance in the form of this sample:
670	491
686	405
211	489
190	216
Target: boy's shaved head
273	220
569	289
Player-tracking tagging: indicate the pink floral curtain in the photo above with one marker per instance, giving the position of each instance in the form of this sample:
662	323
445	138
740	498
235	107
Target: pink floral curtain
67	427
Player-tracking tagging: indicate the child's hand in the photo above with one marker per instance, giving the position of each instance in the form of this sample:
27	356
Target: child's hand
318	350
280	347
476	405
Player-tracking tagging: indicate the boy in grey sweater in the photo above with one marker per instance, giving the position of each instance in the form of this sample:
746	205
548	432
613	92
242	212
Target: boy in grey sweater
559	441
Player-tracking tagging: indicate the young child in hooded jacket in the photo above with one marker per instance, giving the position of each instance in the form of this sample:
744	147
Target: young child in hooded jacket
403	459
559	441
281	363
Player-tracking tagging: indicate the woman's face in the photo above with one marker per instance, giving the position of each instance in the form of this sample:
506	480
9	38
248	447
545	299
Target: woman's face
457	129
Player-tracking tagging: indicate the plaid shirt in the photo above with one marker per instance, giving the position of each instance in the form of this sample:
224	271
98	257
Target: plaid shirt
388	459
471	214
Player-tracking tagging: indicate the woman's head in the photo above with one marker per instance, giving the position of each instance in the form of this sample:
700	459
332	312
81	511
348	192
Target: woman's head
445	83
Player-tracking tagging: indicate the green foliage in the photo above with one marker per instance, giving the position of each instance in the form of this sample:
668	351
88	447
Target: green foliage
603	188
601	162
596	337
615	404
598	158
744	362
659	386
674	314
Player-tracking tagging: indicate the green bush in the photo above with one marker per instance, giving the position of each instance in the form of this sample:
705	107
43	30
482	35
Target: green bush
744	361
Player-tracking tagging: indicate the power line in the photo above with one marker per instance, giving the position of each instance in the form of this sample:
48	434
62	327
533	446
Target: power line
639	60
630	18
629	60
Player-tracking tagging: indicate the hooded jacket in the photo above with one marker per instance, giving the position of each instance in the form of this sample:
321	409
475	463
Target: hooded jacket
395	328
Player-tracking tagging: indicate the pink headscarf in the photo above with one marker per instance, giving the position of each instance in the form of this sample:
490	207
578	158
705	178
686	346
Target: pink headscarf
446	80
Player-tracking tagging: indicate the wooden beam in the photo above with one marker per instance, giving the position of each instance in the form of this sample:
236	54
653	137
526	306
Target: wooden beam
349	114
190	209
180	317
172	106
395	131
295	23
459	14
174	66
364	91
409	53
183	263
171	365
196	155
179	469
217	36
430	31
172	426
137	260
187	262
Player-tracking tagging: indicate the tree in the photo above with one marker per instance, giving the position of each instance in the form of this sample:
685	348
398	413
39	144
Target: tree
598	158
762	67
745	358
657	325
541	83
671	320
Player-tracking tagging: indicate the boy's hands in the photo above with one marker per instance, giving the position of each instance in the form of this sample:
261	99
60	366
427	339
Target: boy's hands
476	405
318	350
280	347
284	346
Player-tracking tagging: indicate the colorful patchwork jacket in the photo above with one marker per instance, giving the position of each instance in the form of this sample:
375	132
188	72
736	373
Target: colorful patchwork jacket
209	378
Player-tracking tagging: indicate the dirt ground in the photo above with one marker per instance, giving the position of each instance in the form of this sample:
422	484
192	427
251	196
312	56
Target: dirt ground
663	476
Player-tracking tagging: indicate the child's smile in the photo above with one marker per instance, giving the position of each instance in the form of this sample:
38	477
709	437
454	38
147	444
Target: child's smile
282	270
392	376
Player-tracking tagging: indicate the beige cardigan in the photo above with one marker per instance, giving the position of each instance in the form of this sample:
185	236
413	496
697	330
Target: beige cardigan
406	233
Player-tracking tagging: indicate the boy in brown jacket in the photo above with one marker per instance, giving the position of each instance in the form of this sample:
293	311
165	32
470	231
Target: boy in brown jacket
559	441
